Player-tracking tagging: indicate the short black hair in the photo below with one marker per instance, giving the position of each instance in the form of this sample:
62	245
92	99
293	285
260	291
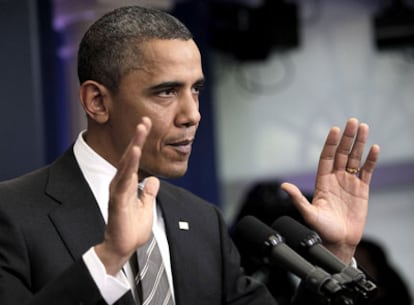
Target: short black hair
110	48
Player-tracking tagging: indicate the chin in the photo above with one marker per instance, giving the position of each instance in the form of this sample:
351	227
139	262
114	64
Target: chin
169	172
174	174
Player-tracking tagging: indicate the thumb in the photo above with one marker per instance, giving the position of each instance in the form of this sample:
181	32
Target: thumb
150	190
298	199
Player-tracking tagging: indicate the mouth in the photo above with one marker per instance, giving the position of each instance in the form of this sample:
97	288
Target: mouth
182	146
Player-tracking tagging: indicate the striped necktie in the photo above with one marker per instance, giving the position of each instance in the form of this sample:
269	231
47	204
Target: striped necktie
152	283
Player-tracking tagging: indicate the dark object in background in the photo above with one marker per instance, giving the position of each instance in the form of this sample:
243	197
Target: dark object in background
251	33
394	26
371	256
267	201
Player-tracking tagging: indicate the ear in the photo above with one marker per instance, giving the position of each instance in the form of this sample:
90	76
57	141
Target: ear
94	98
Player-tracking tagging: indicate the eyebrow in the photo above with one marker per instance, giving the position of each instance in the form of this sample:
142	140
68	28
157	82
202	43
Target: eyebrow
167	85
201	82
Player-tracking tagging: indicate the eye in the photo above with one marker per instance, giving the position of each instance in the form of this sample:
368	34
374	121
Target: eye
197	89
167	92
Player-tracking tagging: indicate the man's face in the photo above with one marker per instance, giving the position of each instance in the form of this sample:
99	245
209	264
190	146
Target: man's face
165	89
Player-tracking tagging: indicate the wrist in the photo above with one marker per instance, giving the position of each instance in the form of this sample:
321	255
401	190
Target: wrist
112	261
344	252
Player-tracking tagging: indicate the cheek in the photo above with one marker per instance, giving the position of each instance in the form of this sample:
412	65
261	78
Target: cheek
154	140
162	125
151	147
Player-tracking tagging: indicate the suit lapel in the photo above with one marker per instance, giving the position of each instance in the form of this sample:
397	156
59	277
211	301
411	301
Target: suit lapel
78	218
175	212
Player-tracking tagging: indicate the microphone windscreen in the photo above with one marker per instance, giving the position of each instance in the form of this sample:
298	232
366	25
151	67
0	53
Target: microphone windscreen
293	231
252	234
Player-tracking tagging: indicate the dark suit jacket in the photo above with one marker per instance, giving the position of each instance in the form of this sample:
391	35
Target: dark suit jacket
50	217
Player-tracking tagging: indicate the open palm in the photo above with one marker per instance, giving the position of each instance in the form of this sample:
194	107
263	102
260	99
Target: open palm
340	203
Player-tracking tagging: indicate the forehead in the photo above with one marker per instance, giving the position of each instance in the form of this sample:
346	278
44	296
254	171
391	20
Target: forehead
169	57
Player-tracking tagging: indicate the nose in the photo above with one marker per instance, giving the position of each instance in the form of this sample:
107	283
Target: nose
188	114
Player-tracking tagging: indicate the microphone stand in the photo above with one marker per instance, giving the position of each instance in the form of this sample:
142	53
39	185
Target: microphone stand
357	290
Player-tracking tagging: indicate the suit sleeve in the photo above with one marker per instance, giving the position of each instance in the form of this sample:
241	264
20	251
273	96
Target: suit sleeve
72	286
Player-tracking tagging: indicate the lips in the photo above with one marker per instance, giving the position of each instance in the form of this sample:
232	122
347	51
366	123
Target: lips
182	146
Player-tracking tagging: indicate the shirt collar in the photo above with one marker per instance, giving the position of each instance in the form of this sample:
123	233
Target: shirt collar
98	173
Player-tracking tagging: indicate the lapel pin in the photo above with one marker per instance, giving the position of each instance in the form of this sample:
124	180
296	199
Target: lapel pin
183	225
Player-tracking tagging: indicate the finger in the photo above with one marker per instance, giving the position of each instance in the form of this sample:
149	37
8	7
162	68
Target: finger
299	200
355	156
345	145
142	132
125	180
130	159
327	156
368	168
126	177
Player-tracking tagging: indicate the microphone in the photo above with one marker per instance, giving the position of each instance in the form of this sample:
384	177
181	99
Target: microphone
256	235
309	244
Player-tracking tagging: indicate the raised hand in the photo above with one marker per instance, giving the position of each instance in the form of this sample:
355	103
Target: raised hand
129	218
340	203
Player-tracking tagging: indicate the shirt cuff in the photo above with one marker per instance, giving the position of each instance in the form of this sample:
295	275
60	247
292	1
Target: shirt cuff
353	263
112	288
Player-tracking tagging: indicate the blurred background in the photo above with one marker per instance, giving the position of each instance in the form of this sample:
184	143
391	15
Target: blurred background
280	74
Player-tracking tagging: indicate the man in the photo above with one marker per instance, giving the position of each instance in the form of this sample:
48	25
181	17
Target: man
68	231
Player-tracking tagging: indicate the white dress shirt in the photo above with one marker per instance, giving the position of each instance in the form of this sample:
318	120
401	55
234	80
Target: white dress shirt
98	173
